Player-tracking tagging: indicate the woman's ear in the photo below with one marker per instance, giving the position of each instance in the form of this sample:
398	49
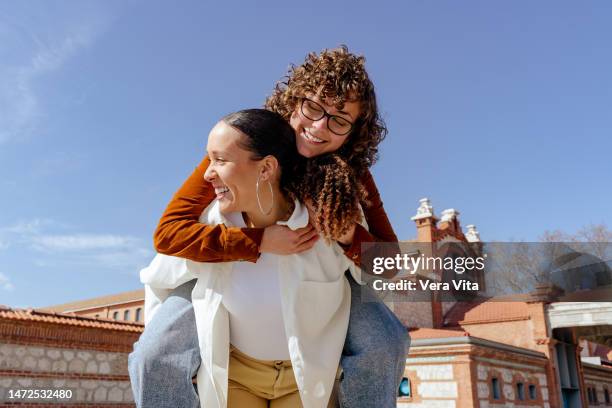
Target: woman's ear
269	168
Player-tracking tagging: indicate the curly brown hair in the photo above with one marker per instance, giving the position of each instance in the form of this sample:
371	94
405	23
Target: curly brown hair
341	76
329	185
331	182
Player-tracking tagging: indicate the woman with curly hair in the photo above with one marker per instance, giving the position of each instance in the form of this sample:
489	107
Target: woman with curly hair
330	102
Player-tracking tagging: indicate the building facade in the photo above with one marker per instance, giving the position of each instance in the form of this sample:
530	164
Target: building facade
534	351
49	358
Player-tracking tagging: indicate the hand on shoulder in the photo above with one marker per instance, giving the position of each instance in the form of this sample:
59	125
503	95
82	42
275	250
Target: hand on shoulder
282	240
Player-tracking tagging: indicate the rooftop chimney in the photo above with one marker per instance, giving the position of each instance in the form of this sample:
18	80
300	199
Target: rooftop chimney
450	220
425	210
425	221
472	235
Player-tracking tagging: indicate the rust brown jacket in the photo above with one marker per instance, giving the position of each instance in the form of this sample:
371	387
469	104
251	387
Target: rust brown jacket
180	234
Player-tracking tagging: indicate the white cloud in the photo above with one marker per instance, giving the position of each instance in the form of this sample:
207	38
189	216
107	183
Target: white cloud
48	44
130	259
53	246
5	283
81	242
18	103
58	163
18	100
28	227
82	250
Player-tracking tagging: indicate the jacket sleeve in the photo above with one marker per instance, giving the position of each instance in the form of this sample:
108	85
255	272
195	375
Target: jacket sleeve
380	229
179	232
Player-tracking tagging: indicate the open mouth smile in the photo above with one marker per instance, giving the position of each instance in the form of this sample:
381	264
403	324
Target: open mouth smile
311	139
220	191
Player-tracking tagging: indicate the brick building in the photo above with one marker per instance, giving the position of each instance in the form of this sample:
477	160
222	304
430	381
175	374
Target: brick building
538	350
82	360
531	352
125	307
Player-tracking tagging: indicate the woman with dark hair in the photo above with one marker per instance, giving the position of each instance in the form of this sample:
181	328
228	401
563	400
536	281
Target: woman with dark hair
270	333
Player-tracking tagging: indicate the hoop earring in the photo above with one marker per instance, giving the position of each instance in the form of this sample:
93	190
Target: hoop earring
259	201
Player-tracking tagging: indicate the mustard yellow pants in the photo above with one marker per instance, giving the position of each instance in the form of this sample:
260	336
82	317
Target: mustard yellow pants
261	383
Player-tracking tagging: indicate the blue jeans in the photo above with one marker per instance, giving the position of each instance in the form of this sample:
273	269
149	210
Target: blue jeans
374	354
166	356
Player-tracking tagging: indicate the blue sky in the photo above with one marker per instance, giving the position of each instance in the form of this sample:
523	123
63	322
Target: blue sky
501	110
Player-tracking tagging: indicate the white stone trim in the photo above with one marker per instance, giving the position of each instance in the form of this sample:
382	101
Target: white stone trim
425	210
463	340
576	314
509	364
417	360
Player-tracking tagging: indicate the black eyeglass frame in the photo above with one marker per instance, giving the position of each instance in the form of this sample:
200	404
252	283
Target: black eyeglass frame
325	115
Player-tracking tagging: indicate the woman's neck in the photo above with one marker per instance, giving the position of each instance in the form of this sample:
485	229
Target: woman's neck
281	211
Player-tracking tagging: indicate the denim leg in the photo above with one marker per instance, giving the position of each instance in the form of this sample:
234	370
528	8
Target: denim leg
374	353
167	356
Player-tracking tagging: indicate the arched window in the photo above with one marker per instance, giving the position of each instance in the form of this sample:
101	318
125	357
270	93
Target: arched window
126	315
532	391
116	316
404	388
520	391
496	388
138	311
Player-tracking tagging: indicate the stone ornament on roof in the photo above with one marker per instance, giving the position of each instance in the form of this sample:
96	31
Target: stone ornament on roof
425	210
449	214
472	235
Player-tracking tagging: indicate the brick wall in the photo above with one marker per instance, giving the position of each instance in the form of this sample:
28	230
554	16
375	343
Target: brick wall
413	314
127	312
509	377
458	373
598	379
522	331
80	359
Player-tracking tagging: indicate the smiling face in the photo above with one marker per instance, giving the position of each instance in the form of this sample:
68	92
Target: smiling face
314	138
232	172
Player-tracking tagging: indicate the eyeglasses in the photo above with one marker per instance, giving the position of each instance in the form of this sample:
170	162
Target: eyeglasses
336	124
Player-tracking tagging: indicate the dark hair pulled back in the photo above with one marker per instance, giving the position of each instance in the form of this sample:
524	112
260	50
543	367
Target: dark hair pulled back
268	134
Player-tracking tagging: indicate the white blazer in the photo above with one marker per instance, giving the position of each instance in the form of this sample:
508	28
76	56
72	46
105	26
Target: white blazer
315	299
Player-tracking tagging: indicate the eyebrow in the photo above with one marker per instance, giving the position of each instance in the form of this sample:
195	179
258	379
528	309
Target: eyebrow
320	101
346	113
338	111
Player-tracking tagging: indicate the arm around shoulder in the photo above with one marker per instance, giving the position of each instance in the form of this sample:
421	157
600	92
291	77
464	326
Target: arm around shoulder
179	232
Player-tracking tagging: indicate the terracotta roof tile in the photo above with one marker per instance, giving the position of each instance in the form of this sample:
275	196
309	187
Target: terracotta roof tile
486	311
68	319
123	297
424	333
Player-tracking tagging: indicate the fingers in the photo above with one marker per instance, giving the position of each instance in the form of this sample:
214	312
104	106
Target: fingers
306	245
304	230
307	236
281	240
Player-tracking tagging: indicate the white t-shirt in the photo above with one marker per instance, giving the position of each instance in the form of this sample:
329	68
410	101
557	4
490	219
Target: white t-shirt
253	302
